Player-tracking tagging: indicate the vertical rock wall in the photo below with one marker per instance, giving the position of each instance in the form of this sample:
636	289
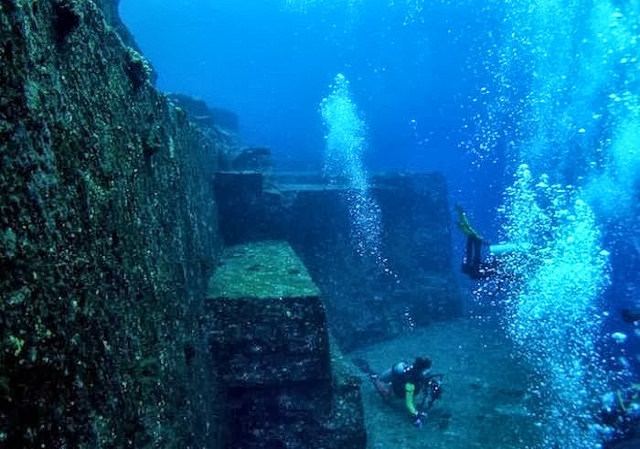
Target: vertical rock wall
107	236
365	302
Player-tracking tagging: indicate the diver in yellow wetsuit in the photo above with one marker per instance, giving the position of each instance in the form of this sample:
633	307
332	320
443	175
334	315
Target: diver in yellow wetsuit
406	381
473	264
620	417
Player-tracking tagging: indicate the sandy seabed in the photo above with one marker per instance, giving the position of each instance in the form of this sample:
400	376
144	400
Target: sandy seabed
485	403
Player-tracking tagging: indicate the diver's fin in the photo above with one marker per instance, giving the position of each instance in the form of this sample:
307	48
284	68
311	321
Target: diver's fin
464	225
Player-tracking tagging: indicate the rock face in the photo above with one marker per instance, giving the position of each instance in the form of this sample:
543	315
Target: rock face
364	302
107	237
269	342
110	11
217	124
206	116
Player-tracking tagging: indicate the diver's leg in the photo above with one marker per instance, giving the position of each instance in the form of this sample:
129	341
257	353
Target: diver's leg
382	384
469	253
477	253
468	257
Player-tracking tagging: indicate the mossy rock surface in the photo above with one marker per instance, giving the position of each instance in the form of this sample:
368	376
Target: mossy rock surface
108	236
262	270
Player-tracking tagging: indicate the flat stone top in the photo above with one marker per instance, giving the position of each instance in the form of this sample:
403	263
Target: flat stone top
261	270
286	188
285	182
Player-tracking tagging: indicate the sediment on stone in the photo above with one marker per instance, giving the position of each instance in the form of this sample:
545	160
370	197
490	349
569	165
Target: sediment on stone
107	236
268	339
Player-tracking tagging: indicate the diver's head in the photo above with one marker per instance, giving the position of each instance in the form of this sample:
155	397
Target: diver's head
421	364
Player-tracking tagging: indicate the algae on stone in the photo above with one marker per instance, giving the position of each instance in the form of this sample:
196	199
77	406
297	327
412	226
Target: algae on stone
108	231
261	270
268	339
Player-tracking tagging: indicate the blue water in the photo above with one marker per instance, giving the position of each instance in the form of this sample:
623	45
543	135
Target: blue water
531	109
273	64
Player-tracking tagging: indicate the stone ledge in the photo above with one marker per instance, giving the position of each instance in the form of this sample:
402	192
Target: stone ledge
269	343
261	270
266	319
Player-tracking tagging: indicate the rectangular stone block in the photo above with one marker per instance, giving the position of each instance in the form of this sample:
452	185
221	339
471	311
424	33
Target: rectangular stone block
267	322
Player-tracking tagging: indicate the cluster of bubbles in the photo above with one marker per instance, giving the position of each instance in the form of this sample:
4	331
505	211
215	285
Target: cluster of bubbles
553	304
345	145
564	100
564	96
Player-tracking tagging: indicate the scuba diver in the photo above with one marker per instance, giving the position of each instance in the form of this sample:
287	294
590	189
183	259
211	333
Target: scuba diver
620	416
473	264
404	380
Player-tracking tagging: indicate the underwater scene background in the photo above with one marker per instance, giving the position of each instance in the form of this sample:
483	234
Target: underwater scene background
530	109
225	223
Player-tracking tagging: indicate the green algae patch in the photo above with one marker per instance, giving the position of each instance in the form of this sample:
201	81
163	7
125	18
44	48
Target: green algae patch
262	270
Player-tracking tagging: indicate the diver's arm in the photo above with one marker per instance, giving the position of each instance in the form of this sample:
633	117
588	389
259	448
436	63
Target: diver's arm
409	389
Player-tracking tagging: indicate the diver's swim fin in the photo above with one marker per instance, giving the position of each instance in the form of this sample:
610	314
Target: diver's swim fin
464	225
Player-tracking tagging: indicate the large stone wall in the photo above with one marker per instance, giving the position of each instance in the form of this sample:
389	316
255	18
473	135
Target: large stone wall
107	237
365	303
110	11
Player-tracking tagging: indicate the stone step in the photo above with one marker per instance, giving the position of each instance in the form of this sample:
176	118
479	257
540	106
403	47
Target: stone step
270	348
268	323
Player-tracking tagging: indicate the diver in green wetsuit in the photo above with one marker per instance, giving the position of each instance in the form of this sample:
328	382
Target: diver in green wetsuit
407	381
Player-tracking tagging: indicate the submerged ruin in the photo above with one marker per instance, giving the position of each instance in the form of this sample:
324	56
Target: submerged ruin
163	287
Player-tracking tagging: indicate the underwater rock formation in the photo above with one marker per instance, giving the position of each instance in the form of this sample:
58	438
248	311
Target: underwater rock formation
217	124
108	236
108	233
110	10
268	338
253	158
205	115
364	302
